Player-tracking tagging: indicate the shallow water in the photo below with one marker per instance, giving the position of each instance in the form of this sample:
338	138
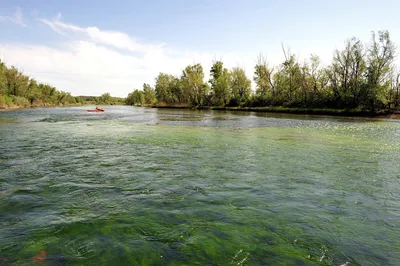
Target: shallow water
142	186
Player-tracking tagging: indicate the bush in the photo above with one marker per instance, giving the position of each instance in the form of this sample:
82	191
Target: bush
2	101
233	102
21	101
9	100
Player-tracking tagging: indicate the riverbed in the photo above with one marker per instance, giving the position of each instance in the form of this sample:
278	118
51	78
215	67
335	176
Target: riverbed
146	186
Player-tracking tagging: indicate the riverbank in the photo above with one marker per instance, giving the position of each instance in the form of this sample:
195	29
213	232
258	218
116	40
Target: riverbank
289	110
2	107
8	107
18	102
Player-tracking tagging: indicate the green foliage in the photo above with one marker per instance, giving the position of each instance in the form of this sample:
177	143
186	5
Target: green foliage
135	98
3	101
19	90
188	89
359	77
129	100
380	59
241	86
149	94
9	100
263	79
105	98
3	79
177	91
164	88
220	84
169	90
79	100
347	74
193	85
20	101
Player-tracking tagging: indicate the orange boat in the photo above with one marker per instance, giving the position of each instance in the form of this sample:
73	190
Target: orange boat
96	110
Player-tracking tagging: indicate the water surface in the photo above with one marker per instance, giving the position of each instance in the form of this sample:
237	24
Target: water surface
142	186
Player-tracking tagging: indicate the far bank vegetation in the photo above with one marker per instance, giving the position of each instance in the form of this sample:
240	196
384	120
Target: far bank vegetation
361	76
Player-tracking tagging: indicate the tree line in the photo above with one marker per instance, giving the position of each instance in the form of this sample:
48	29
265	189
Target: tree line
360	76
19	90
104	99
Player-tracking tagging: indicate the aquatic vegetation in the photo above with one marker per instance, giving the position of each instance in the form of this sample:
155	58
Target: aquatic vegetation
145	186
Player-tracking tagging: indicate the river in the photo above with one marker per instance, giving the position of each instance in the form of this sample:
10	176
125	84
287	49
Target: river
145	186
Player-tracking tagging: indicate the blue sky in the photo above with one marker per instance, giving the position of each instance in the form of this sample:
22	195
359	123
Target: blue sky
91	47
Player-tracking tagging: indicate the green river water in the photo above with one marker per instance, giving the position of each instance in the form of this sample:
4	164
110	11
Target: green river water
143	186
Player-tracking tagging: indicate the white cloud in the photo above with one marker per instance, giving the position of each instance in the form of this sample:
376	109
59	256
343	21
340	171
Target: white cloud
92	61
83	68
16	18
87	68
115	39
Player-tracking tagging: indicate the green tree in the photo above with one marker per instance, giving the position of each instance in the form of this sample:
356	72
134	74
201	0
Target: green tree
265	87
347	74
393	96
79	100
105	98
32	93
177	91
149	94
135	98
381	54
129	100
220	84
11	76
164	88
193	84
3	79
241	86
291	79
19	89
319	81
138	97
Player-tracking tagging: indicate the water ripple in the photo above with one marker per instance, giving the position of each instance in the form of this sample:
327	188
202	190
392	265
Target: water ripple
144	186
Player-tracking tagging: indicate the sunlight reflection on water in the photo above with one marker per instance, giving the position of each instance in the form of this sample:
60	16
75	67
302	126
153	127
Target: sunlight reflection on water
163	186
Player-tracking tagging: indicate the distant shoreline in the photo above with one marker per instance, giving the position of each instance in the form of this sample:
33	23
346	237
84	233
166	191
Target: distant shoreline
291	110
13	107
394	114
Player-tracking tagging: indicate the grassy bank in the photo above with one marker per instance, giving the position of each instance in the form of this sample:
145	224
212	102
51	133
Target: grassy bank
289	110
